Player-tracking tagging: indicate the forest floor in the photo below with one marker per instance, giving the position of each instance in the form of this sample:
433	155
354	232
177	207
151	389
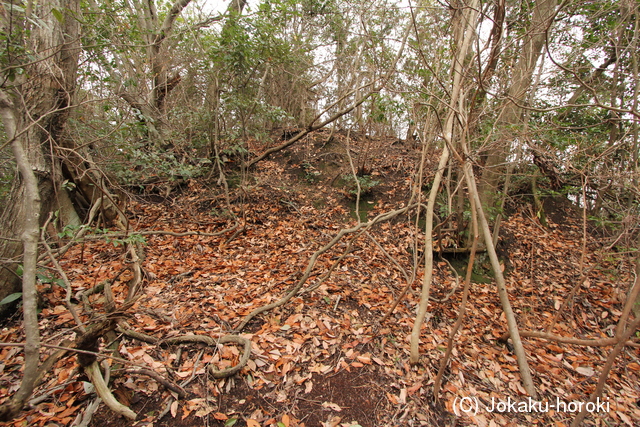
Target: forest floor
324	358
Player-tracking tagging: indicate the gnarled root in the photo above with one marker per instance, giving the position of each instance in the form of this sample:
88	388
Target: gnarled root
94	374
204	339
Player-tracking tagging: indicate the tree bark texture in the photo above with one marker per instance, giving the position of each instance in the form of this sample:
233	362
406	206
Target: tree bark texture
30	227
465	29
37	108
511	115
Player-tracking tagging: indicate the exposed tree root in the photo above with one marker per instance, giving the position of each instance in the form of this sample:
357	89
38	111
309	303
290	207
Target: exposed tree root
94	374
593	342
204	339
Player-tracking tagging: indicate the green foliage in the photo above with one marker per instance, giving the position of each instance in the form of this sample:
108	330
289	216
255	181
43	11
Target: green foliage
117	240
385	108
130	239
366	182
51	280
68	231
140	162
13	41
17	295
68	185
11	298
602	222
236	149
230	422
311	174
260	66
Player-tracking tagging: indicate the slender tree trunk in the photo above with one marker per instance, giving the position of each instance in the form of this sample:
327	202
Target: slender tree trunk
153	107
30	227
512	324
465	34
511	116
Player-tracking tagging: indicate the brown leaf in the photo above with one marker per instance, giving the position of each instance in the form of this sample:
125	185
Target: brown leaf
220	416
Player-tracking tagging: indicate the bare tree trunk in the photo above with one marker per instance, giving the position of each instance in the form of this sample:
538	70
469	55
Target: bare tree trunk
511	116
29	236
36	109
152	107
465	34
521	355
34	112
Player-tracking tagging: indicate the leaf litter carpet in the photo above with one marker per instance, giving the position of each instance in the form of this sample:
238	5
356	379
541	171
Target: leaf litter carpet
323	359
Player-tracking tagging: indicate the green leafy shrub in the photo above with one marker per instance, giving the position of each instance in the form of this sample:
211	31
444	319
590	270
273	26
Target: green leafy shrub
367	183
